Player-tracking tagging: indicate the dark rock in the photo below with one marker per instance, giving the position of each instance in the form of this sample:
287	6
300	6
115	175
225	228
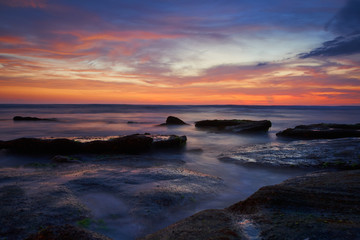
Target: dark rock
20	118
66	232
172	141
234	125
171	120
134	144
321	131
316	206
36	145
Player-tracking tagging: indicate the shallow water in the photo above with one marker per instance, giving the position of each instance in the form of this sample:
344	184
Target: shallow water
203	152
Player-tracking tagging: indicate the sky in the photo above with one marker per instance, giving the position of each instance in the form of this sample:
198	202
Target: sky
246	52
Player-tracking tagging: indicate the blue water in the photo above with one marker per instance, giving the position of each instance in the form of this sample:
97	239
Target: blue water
103	120
203	148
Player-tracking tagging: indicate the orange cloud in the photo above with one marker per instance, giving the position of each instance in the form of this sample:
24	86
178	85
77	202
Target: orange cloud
11	40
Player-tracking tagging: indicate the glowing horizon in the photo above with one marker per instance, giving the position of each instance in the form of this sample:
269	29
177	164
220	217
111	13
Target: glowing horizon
160	52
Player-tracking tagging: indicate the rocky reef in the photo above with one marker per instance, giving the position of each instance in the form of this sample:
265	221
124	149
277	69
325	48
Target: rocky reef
136	143
321	131
235	125
316	206
341	153
108	195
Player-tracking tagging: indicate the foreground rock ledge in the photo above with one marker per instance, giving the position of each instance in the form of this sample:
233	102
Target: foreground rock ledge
235	125
136	143
66	232
321	131
316	206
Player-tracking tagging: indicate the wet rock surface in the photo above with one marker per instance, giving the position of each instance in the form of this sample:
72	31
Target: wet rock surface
316	206
64	159
208	224
333	153
235	125
321	131
66	232
111	195
136	143
20	118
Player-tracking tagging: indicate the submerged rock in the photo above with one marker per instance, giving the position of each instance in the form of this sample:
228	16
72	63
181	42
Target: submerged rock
316	206
64	159
20	118
66	232
136	143
235	125
321	131
171	120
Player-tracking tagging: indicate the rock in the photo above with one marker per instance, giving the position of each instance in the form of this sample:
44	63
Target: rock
171	120
66	232
133	144
44	146
316	206
208	224
321	131
172	141
20	118
136	143
64	159
340	153
234	125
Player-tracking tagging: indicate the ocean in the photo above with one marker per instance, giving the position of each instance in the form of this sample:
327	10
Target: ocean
204	153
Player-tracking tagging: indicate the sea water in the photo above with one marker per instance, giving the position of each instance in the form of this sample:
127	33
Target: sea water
203	148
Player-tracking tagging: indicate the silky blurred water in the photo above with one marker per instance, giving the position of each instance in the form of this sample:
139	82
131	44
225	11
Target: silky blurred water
203	147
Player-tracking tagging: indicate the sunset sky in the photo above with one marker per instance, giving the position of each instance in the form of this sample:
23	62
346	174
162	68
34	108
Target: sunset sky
264	52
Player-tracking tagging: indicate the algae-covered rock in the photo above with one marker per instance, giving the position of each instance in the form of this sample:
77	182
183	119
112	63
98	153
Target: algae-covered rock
64	159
